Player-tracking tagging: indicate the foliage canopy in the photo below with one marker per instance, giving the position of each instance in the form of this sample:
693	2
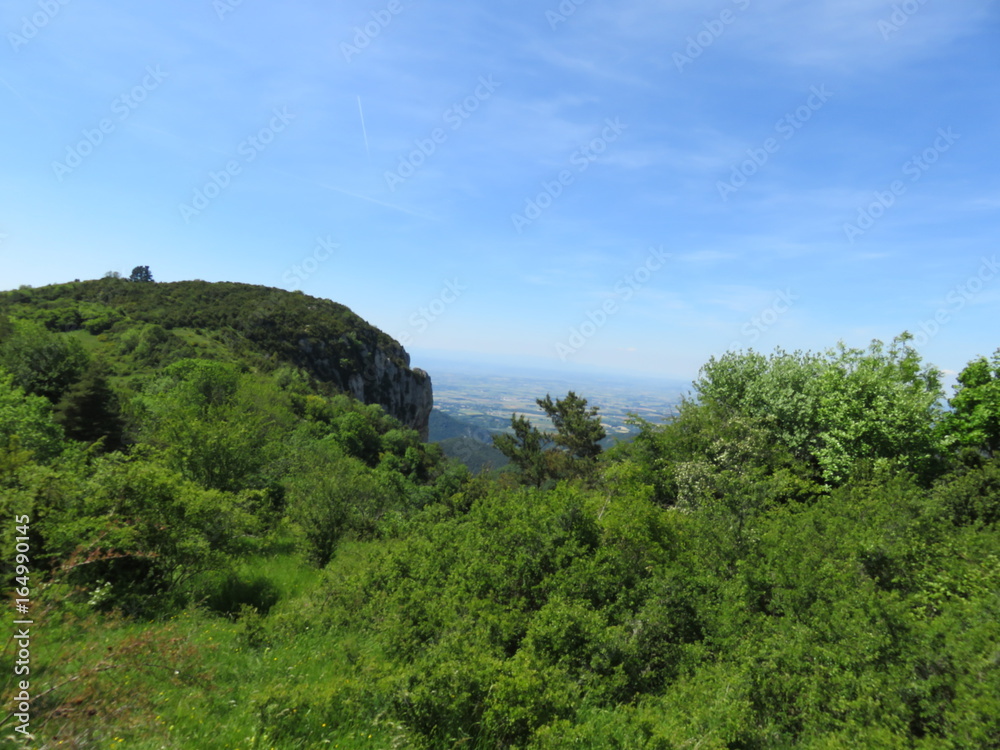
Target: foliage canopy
807	556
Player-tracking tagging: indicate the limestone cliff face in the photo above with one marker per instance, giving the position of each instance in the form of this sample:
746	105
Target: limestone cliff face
375	372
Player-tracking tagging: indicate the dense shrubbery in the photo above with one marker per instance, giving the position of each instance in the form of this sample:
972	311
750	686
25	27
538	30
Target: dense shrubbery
807	556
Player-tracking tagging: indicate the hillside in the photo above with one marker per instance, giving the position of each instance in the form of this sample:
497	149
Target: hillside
218	549
477	456
156	323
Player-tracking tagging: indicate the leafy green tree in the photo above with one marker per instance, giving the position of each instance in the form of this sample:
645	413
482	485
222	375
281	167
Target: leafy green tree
40	471
524	449
706	448
878	405
358	437
200	384
779	390
975	418
42	362
26	422
838	410
215	425
141	274
578	435
972	495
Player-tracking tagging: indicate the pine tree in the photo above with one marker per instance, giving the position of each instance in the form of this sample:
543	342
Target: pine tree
89	410
578	430
524	449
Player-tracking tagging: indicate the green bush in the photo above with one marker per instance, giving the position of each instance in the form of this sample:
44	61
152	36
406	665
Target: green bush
146	531
338	497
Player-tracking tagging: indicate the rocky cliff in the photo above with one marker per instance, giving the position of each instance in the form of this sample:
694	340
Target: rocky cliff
374	373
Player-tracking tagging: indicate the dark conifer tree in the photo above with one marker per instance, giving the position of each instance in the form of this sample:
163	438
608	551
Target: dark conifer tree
89	410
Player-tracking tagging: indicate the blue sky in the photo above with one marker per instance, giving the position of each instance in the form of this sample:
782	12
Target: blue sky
597	183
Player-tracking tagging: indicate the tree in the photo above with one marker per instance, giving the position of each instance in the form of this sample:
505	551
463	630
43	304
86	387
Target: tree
975	421
878	405
143	529
214	425
578	430
141	273
357	436
339	497
780	389
42	362
578	434
26	422
524	449
89	410
835	410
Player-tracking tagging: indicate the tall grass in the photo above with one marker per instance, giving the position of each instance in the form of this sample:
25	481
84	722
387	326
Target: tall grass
195	679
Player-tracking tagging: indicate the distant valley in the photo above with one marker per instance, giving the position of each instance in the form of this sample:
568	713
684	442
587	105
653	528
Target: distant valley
473	402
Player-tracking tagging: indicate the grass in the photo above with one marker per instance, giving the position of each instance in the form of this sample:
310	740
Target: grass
88	341
198	679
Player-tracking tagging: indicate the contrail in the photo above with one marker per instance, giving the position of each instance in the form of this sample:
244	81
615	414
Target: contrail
26	103
378	202
363	129
13	90
327	186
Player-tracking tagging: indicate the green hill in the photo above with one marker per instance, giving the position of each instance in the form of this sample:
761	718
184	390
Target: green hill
146	326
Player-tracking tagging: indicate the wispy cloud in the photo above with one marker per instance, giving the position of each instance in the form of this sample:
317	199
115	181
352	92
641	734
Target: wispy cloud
655	186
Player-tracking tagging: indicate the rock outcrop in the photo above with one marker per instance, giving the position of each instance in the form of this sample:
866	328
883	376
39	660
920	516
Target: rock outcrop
375	374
